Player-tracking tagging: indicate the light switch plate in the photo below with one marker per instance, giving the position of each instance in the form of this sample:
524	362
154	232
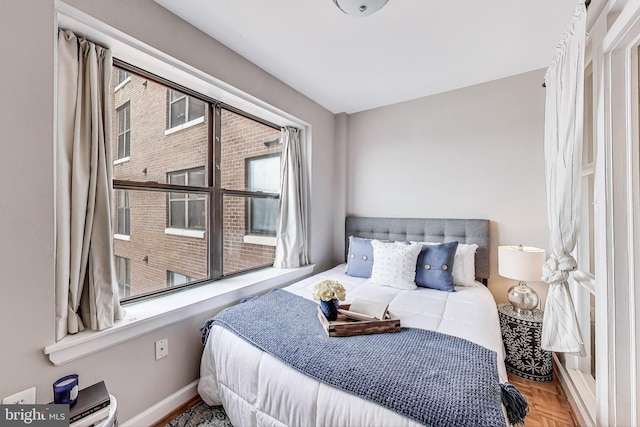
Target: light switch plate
25	397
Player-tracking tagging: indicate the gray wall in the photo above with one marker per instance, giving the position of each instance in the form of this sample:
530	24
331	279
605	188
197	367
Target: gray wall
26	205
475	152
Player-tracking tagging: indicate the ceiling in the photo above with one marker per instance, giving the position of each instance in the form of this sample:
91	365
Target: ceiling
407	50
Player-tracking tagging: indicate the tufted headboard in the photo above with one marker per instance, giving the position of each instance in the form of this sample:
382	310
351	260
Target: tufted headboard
426	230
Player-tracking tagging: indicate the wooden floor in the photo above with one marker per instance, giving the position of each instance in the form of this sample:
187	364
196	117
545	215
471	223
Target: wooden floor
547	404
163	422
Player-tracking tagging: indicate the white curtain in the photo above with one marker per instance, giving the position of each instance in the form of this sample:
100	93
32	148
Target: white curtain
564	82
291	236
86	292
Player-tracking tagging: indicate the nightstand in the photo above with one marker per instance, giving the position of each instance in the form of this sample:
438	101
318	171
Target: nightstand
522	335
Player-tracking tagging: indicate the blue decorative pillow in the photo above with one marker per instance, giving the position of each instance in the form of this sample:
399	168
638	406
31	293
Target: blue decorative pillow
360	258
435	266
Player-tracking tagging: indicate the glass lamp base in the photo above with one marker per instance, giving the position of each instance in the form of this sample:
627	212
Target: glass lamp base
522	298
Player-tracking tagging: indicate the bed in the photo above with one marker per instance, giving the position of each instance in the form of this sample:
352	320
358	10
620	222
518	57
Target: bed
257	388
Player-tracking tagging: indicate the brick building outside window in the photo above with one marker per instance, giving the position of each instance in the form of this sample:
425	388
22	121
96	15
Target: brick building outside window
164	233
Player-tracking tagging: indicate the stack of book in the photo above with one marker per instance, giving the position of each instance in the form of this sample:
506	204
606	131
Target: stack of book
92	406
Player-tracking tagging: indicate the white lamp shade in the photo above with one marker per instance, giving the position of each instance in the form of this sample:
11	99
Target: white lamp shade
523	263
360	7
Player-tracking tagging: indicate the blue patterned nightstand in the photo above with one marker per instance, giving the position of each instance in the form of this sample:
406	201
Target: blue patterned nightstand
521	335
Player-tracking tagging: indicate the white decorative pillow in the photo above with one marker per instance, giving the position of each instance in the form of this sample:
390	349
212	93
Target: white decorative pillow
394	264
464	263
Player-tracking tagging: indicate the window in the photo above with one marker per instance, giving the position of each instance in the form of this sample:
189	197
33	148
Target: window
187	210
175	279
124	131
122	218
582	283
263	175
123	276
196	194
123	75
183	108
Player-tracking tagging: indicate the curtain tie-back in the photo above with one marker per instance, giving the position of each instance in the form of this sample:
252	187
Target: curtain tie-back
556	269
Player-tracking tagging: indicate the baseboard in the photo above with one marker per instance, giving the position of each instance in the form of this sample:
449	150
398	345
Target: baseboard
578	407
164	407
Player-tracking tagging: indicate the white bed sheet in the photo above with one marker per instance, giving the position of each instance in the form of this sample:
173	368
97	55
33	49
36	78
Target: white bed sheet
256	389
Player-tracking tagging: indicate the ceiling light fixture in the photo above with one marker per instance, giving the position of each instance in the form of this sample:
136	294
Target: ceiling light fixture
360	7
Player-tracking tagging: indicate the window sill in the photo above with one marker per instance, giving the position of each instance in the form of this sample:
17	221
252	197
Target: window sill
259	240
125	237
148	315
185	232
122	160
122	84
184	126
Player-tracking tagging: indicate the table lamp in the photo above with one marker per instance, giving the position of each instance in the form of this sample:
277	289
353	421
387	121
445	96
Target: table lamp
521	263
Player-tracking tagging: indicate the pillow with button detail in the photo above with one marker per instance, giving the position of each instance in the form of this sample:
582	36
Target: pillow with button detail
464	266
434	268
360	258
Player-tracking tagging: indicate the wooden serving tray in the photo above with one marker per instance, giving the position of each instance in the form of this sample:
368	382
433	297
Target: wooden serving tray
346	327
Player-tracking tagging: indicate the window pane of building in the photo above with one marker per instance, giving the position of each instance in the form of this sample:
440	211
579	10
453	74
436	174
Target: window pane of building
166	136
153	249
242	251
177	211
123	216
262	216
242	139
122	75
187	210
184	108
196	108
178	112
196	212
153	154
124	131
176	279
123	276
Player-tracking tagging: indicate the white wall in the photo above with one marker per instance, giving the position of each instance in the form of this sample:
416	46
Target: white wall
26	202
476	152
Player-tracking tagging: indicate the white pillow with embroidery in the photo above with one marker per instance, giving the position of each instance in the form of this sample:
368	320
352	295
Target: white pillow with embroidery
394	264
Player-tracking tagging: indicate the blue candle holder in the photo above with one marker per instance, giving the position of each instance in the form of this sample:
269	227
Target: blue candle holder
65	390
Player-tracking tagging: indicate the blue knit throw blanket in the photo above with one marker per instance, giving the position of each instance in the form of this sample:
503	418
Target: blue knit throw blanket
433	378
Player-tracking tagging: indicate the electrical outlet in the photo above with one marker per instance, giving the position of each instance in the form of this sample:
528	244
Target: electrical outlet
162	348
25	397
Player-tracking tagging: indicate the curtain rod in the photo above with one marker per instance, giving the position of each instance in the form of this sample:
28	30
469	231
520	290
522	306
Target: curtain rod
586	5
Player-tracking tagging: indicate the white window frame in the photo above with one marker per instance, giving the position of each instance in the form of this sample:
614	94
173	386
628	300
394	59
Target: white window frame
123	82
127	208
173	276
127	284
263	238
188	122
583	281
187	199
127	132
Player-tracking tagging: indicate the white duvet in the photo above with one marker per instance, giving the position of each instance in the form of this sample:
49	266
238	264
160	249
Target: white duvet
258	390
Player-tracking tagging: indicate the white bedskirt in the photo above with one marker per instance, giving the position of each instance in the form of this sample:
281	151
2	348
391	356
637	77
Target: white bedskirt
258	390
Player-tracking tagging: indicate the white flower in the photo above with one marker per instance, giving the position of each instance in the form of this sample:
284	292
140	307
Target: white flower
328	290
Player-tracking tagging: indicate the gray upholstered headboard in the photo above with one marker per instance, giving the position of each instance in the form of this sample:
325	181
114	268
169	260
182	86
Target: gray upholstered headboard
426	230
